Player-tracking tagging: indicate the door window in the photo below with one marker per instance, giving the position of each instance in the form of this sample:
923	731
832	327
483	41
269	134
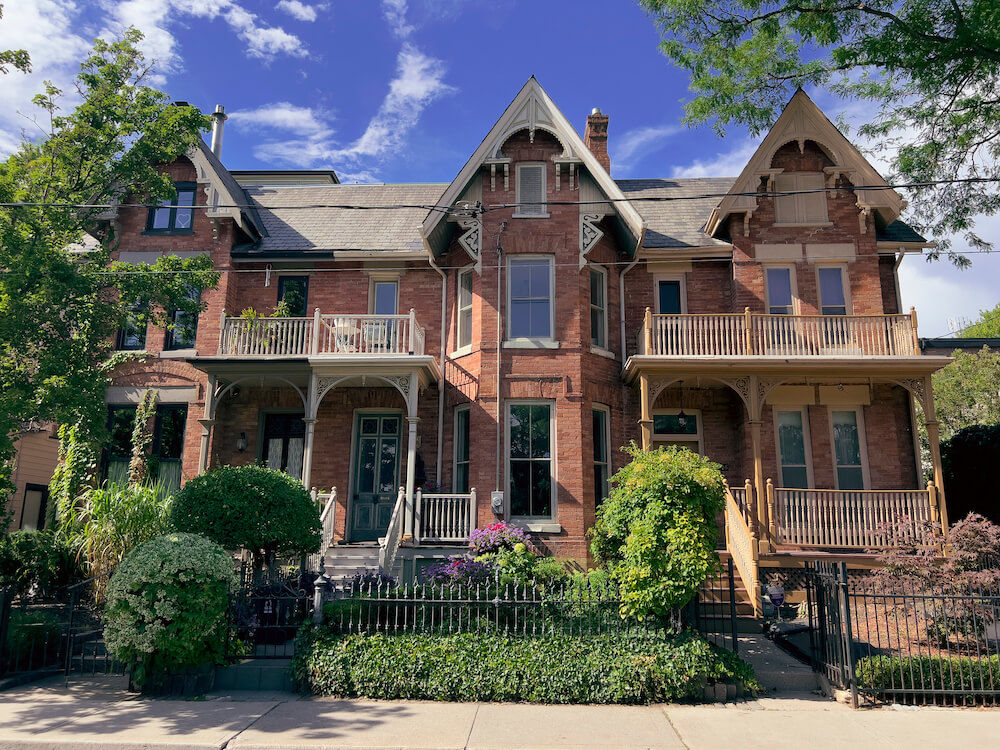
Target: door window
384	297
792	437
681	427
847	450
294	292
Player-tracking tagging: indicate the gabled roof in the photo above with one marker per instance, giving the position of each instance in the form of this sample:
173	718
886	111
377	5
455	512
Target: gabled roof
224	191
532	109
677	216
801	121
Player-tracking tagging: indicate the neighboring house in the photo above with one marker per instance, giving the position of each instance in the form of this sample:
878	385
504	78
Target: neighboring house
36	451
763	330
946	346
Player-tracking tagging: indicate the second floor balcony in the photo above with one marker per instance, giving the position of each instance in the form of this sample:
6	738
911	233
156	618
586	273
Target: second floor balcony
366	336
751	334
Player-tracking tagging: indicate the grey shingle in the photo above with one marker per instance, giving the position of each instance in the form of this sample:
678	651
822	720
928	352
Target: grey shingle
676	223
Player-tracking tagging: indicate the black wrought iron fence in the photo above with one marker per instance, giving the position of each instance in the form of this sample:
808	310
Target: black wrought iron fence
715	609
264	618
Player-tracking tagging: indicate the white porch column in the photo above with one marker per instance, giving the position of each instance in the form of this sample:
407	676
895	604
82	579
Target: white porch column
206	424
310	420
411	452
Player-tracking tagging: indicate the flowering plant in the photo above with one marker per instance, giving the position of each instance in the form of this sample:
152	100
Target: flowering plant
497	537
459	569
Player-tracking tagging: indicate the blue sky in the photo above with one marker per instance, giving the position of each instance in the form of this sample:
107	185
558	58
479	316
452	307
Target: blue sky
404	90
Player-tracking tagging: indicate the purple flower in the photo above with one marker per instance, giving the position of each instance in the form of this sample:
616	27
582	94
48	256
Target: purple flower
497	537
459	569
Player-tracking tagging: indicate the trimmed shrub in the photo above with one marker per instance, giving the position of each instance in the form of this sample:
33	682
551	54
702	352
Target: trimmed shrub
656	532
36	563
606	668
255	508
167	605
930	673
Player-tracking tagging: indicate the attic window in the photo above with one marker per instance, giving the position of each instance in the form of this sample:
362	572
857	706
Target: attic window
171	216
800	207
531	190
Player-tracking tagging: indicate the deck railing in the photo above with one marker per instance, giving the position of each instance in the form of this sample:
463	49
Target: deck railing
851	519
741	541
445	518
320	335
758	334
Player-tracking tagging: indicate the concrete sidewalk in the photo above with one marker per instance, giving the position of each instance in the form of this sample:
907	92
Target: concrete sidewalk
99	714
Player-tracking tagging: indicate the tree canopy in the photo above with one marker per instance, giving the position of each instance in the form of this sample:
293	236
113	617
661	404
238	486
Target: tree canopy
928	69
987	325
63	300
967	392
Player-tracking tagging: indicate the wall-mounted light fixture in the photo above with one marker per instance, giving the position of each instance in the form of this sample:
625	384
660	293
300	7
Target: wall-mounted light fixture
241	442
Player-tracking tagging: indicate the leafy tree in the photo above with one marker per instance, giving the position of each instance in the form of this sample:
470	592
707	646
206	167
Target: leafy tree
929	70
60	307
18	59
987	325
656	531
261	510
967	392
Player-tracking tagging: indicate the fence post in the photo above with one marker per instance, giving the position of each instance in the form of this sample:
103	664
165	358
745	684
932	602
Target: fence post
732	607
848	636
318	587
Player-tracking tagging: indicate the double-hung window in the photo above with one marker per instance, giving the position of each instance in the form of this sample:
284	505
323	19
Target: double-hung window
183	327
384	297
801	198
529	459
780	284
848	449
793	447
531	190
602	451
462	432
464	336
293	291
832	290
599	308
174	216
530	291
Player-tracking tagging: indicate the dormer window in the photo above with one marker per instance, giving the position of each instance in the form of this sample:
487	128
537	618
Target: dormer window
797	207
531	190
174	216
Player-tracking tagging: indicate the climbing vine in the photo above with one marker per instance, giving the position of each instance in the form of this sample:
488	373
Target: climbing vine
142	438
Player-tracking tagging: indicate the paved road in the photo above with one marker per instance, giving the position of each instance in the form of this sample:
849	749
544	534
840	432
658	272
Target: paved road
94	714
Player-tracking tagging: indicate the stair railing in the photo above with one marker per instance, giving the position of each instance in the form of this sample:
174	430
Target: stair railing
741	541
388	546
327	502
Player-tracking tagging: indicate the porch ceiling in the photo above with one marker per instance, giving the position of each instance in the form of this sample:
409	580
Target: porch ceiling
298	369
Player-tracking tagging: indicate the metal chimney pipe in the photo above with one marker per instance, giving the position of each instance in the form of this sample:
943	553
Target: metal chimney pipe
218	123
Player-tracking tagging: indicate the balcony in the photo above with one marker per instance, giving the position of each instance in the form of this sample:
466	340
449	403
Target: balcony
345	336
781	336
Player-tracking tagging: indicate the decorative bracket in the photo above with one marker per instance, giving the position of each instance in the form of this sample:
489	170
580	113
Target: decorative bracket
471	240
590	234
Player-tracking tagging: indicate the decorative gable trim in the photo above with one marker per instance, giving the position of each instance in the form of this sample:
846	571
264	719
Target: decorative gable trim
472	240
590	235
802	121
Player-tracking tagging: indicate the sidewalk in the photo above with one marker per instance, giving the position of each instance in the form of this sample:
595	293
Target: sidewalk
97	713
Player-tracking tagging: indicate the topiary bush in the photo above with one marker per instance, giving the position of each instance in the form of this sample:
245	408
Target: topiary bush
166	608
264	511
490	666
656	532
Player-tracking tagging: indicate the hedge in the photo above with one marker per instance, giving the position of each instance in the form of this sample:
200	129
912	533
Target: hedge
928	673
606	668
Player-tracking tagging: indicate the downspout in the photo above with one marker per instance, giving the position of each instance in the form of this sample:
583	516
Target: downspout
500	417
444	371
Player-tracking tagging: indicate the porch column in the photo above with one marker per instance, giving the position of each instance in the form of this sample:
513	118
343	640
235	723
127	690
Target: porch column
645	413
310	420
411	453
934	442
206	424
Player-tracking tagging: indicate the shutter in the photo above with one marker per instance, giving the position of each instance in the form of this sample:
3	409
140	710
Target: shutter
531	189
812	205
799	208
784	205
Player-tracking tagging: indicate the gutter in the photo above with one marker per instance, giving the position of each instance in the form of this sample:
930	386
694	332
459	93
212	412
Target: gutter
444	372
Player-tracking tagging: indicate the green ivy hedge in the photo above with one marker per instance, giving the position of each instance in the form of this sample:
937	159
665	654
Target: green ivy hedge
607	668
928	673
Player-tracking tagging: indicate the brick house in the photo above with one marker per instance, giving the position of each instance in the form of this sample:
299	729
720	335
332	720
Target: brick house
448	354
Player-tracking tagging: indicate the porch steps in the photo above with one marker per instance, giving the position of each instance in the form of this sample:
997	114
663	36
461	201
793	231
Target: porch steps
347	560
776	669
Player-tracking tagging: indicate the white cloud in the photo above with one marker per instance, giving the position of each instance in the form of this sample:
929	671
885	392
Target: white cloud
395	14
282	116
299	10
639	142
723	164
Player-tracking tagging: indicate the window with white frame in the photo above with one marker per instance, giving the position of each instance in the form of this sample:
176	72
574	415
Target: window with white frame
848	448
462	431
681	427
670	296
599	308
531	190
805	199
793	447
602	450
530	291
464	335
780	289
384	298
832	283
530	468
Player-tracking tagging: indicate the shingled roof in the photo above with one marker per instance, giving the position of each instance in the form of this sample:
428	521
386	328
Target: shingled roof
678	218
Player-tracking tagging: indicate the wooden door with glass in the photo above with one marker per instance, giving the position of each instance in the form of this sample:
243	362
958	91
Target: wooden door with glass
375	480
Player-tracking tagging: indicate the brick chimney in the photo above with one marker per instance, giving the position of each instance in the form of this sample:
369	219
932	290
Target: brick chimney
596	137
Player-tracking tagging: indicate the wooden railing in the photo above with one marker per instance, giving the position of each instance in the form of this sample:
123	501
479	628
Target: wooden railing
851	519
445	517
327	505
741	541
757	334
366	335
388	545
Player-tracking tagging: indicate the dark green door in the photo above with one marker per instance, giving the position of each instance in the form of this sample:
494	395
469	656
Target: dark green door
376	475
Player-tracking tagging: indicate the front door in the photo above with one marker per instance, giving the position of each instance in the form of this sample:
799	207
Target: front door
376	475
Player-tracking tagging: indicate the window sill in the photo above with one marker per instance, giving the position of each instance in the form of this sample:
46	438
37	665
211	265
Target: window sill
531	344
166	232
803	224
601	351
178	353
460	352
537	527
545	215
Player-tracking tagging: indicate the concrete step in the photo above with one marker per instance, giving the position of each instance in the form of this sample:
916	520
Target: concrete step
776	670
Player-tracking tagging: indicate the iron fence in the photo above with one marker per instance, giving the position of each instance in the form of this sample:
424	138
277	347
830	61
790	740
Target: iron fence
714	611
265	616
